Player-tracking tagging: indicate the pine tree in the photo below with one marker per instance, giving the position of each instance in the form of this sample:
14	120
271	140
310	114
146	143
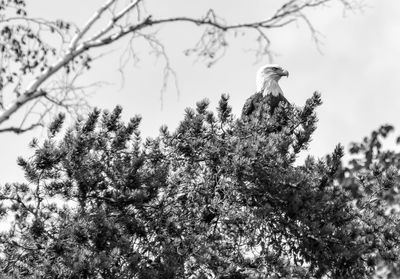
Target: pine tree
372	177
219	197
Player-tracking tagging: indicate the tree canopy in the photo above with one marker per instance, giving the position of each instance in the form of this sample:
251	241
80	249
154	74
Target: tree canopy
219	197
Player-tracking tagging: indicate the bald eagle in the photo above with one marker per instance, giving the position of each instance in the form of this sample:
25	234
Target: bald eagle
268	90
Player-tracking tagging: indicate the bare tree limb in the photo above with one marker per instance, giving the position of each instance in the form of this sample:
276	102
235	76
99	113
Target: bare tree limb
90	23
18	130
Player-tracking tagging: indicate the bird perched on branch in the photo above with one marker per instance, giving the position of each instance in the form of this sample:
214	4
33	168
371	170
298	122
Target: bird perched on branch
268	90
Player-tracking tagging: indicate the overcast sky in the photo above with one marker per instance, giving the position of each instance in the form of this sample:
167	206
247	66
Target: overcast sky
357	70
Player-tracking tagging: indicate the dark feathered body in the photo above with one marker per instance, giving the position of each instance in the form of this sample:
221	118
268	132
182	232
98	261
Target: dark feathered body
259	104
252	104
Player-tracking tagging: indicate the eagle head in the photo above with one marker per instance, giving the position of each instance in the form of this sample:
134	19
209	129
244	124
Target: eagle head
269	75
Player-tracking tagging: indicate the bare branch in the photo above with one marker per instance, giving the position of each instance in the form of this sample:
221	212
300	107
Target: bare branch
159	51
90	23
19	130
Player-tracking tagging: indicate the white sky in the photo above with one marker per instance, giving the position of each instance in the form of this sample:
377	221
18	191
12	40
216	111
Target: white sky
357	73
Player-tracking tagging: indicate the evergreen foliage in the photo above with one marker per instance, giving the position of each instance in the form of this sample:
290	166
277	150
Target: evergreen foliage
217	198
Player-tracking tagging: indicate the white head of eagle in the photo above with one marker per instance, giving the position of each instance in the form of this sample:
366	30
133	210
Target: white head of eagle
268	77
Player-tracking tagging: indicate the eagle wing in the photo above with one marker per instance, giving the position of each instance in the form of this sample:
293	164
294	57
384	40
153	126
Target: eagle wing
252	104
274	100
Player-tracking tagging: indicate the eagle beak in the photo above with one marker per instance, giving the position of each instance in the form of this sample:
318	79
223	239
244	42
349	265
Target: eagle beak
285	73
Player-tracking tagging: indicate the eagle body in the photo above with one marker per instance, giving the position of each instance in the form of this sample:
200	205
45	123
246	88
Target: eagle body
252	104
269	94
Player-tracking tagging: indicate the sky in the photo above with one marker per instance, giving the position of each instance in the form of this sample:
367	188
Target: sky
356	69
